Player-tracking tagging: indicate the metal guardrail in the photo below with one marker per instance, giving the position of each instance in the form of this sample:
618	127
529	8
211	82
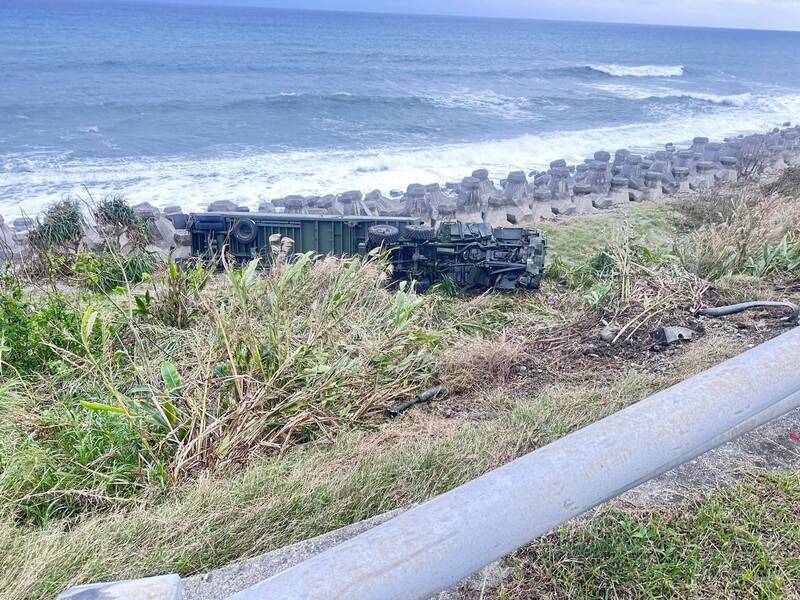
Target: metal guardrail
431	547
435	545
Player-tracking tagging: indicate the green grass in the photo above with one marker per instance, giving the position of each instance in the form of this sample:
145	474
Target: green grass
214	419
583	237
309	491
266	361
741	542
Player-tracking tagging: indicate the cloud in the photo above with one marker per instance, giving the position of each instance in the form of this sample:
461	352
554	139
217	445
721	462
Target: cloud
770	14
755	14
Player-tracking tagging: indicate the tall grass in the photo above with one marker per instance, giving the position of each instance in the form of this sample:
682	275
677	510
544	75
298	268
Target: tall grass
312	490
204	377
740	229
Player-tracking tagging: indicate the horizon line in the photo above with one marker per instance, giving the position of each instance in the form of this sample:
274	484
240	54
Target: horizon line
244	4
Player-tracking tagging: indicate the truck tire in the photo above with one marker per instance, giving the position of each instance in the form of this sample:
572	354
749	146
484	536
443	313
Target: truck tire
245	231
419	233
383	234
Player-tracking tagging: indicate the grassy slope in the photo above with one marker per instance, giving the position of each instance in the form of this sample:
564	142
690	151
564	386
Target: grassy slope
734	543
318	488
312	490
582	237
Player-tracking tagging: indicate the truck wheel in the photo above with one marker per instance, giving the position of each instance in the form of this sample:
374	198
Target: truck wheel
245	231
383	234
419	233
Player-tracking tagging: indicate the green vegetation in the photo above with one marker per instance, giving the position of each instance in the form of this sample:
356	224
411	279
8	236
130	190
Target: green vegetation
60	228
119	226
738	230
735	543
132	401
581	237
314	488
156	417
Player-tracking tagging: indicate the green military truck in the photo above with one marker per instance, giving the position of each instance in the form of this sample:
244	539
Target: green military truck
472	255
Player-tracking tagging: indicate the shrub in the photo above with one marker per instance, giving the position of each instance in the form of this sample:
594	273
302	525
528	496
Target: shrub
29	328
59	229
117	221
106	272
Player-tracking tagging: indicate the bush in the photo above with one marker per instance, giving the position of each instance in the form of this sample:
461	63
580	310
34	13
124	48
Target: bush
59	229
115	219
29	328
106	272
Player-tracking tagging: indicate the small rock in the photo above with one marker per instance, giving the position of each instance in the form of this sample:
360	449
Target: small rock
607	334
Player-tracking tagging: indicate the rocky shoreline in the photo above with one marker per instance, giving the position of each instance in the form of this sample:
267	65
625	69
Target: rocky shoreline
599	183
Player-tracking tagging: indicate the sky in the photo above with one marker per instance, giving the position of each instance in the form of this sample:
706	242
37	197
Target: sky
753	14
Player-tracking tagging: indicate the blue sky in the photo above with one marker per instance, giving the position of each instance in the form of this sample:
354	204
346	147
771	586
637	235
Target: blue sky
756	14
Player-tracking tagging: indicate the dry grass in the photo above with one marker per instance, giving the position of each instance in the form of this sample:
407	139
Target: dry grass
733	229
477	364
786	184
735	288
313	489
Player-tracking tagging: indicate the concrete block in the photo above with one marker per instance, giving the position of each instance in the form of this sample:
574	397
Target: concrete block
223	206
22	224
9	249
653	181
145	210
172	209
179	220
165	230
182	237
583	199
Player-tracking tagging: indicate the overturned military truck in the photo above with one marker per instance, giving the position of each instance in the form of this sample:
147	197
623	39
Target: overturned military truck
472	255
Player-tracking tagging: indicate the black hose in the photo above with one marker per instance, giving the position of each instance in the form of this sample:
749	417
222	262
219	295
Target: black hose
429	394
720	311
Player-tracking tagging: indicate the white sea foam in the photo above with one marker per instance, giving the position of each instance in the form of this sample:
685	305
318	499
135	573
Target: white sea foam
640	71
513	108
634	92
29	182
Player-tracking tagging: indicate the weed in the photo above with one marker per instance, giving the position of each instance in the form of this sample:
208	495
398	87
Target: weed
107	272
178	295
740	542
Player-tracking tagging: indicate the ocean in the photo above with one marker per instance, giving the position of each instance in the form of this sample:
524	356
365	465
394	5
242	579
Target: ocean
185	105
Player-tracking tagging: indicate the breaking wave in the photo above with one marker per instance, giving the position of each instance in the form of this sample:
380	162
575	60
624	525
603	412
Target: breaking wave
35	180
650	93
640	71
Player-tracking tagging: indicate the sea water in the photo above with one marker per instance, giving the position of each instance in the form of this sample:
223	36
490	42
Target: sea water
185	105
